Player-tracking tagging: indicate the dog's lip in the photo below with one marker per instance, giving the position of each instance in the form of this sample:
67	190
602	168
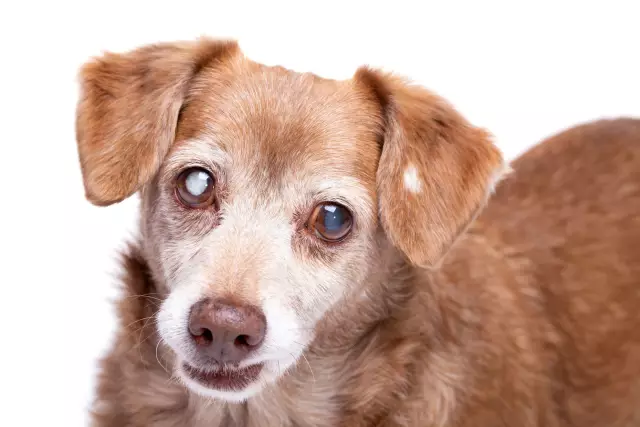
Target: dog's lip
223	378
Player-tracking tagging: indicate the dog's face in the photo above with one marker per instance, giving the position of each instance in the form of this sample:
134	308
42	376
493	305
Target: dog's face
266	199
265	193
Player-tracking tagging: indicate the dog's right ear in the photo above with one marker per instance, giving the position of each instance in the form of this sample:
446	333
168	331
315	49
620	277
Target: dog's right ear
128	111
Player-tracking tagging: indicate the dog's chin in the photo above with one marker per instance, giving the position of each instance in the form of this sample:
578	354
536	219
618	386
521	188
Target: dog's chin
232	385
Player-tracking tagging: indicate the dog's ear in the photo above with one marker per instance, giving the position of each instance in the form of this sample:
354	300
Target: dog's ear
436	170
128	111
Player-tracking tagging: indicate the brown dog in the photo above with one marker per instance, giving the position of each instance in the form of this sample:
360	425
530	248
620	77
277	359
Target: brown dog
310	254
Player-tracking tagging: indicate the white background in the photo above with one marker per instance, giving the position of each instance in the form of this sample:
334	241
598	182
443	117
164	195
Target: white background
524	70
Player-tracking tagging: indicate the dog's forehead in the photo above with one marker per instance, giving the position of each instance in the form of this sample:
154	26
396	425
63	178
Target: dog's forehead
282	124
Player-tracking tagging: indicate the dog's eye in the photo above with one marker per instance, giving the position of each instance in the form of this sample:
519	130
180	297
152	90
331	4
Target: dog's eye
195	189
330	222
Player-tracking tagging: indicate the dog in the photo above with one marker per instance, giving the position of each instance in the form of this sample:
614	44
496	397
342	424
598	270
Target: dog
316	252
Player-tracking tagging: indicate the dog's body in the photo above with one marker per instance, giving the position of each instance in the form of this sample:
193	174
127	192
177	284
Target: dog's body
530	319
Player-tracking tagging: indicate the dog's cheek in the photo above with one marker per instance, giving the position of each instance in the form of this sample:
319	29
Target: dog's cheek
183	260
294	311
310	292
181	253
186	278
286	336
172	319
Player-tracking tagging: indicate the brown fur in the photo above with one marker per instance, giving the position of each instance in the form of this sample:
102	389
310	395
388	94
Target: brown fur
528	320
128	113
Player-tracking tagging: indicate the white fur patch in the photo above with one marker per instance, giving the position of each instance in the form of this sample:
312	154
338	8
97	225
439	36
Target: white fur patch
411	179
500	173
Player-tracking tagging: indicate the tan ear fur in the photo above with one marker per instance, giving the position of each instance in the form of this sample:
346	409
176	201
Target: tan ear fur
436	170
128	111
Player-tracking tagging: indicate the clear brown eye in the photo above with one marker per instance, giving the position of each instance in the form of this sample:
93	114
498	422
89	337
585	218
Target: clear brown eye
330	222
195	188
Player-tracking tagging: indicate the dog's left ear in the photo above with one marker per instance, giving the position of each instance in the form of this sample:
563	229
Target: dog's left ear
436	170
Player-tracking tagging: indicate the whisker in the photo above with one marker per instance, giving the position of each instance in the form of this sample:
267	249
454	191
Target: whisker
141	341
147	296
140	331
310	368
158	359
136	321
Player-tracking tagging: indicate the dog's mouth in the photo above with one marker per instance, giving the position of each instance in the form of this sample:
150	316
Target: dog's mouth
223	378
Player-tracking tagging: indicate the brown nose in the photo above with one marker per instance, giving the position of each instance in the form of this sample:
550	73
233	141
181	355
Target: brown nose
226	332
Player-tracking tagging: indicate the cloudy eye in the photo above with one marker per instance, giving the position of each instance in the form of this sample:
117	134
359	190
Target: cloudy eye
330	222
195	188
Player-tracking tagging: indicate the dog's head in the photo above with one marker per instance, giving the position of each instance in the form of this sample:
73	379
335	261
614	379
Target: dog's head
265	193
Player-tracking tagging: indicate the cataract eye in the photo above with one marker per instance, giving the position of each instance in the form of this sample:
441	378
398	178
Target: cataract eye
330	222
195	188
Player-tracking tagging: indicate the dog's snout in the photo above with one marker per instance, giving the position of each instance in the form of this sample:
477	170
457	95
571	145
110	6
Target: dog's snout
226	332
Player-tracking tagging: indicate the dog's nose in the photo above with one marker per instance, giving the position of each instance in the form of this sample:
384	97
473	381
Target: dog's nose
226	332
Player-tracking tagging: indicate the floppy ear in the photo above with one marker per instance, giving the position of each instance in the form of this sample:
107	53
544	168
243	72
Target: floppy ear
436	170
128	111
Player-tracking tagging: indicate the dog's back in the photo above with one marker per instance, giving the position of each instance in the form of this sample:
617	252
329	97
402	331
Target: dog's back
569	217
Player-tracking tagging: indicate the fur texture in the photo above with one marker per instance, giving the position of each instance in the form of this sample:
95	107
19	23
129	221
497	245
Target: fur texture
434	311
